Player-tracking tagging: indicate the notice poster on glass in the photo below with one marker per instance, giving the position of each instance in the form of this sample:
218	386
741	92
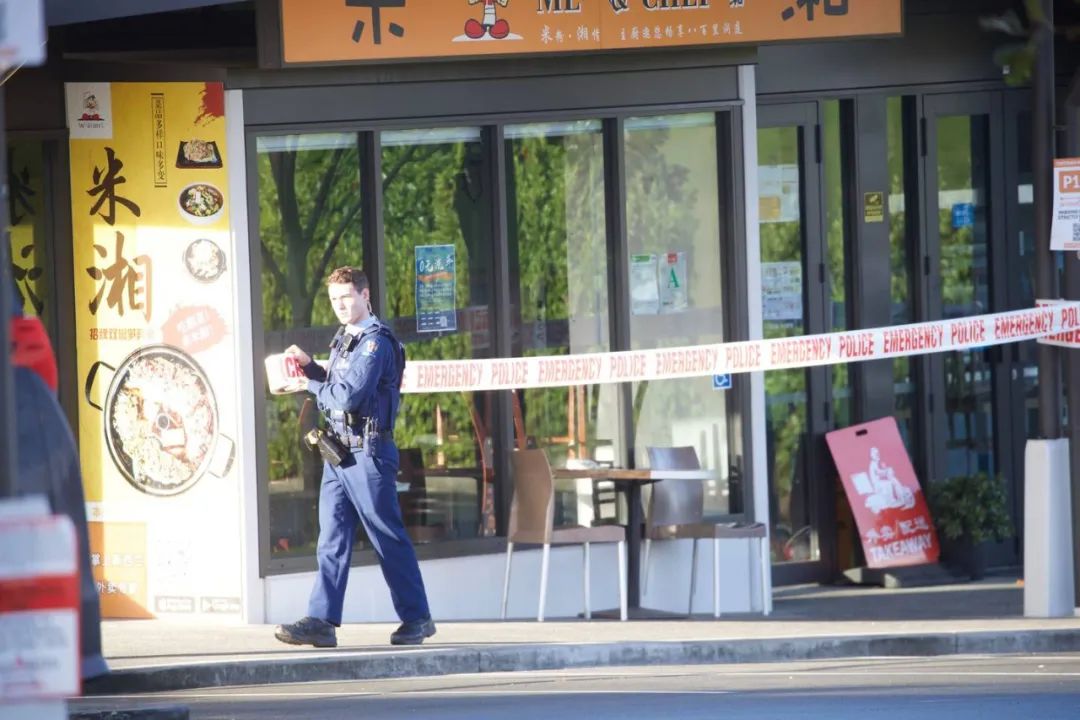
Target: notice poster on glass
644	293
781	291
436	288
778	193
1065	228
674	296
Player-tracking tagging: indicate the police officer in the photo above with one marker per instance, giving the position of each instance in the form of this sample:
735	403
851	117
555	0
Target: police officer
358	394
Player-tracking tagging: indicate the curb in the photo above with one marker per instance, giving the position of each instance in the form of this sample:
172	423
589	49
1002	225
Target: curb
375	665
164	713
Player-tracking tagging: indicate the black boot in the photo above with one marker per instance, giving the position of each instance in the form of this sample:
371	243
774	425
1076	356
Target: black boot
413	632
308	631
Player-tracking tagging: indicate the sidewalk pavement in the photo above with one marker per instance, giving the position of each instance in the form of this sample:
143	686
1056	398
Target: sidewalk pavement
807	623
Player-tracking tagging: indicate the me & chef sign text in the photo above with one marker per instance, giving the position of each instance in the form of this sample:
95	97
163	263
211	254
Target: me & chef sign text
326	31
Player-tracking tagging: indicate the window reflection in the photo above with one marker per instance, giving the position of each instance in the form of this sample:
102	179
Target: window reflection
558	253
673	228
781	229
437	245
28	227
309	223
963	226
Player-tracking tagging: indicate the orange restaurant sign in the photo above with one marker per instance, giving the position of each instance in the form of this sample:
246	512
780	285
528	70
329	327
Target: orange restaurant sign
325	31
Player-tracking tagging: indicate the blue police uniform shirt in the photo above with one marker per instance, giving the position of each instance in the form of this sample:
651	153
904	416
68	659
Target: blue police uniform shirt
364	383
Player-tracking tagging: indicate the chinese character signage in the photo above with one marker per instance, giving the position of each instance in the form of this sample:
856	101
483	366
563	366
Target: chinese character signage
321	31
157	367
1065	230
436	288
26	212
889	508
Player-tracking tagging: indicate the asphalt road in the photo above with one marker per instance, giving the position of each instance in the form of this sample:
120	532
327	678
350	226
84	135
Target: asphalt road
953	688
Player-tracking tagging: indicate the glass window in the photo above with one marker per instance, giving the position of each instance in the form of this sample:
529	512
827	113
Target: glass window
559	281
676	285
437	237
309	223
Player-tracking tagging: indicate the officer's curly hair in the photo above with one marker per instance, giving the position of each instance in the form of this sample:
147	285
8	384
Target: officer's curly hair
352	275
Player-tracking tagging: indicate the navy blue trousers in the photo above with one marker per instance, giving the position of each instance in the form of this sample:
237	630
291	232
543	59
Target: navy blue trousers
363	490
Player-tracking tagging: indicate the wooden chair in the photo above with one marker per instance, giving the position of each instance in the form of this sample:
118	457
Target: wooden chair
532	513
676	511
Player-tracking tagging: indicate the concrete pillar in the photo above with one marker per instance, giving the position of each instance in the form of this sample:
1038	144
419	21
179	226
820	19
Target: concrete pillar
1048	551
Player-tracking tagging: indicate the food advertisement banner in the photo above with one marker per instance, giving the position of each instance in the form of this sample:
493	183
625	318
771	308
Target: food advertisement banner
889	507
325	31
157	365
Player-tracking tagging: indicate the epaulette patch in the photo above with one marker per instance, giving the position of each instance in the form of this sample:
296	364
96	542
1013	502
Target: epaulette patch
369	347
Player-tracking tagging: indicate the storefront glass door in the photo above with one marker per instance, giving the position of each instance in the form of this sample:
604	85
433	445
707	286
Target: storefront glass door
798	298
969	399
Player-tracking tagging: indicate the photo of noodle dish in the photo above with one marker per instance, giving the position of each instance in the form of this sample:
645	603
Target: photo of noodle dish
199	151
198	154
201	203
204	260
162	422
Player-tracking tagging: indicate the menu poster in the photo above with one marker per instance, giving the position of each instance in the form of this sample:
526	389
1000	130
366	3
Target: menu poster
436	288
154	339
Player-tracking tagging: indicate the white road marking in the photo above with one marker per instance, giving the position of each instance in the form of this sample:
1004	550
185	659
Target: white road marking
225	695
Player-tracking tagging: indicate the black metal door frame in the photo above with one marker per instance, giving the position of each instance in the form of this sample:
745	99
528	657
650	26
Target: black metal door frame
999	175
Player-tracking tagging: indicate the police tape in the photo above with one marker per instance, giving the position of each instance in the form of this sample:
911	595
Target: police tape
1058	323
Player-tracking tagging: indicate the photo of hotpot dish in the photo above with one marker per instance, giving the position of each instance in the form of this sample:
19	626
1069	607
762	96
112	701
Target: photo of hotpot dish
161	420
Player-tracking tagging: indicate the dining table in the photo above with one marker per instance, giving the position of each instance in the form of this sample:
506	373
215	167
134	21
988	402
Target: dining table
630	481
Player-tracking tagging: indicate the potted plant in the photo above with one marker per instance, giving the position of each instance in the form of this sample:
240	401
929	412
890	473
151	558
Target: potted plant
969	511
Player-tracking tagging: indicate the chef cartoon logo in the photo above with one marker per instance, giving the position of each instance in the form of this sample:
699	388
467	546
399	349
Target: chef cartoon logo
89	110
489	26
90	107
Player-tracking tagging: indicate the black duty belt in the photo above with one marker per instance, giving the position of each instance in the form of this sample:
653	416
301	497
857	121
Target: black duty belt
357	441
